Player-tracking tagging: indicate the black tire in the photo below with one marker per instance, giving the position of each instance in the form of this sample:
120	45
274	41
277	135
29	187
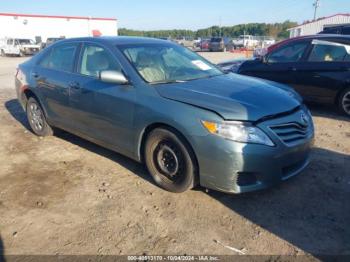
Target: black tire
37	119
344	102
3	53
170	161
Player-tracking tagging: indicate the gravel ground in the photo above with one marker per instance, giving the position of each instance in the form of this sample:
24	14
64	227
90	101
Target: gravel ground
64	195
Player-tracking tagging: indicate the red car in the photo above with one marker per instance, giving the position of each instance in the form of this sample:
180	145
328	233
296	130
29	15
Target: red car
204	44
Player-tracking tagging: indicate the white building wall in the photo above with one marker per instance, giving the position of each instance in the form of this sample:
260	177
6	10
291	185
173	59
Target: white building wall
30	27
317	26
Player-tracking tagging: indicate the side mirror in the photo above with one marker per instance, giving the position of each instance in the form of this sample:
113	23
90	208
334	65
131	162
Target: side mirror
114	77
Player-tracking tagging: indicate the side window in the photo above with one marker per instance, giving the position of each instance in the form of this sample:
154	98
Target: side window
324	51
60	57
10	41
95	59
44	61
289	53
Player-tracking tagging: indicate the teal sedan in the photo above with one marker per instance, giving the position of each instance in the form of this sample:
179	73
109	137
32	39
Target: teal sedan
163	105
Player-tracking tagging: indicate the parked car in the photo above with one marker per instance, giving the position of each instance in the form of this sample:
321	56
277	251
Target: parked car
217	44
18	47
343	29
185	41
50	41
204	44
162	104
247	41
317	67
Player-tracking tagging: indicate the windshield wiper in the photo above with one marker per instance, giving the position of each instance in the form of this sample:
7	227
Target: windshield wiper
168	82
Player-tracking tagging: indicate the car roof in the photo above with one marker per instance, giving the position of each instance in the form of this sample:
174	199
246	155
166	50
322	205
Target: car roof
308	37
120	40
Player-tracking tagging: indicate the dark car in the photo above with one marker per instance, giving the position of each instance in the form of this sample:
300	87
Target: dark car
217	44
317	67
162	104
343	29
50	41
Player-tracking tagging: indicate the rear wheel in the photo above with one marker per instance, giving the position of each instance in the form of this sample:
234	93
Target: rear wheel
36	118
170	161
344	102
3	53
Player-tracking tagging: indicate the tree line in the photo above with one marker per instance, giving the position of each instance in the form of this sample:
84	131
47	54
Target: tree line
276	30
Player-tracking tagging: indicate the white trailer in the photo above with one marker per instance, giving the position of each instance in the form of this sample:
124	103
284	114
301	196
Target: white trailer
41	27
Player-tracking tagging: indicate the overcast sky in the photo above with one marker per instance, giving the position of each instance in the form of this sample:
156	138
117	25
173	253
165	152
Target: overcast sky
180	14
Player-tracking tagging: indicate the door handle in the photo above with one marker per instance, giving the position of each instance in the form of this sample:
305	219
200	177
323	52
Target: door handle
74	85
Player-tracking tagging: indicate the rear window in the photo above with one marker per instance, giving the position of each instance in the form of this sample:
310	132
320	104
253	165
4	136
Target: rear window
60	57
325	51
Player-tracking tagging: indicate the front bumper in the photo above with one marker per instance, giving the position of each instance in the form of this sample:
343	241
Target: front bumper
30	51
234	167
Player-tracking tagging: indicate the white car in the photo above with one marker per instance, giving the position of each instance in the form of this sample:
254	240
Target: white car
247	41
18	47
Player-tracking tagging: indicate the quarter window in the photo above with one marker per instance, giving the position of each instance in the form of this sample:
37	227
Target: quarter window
324	51
96	59
287	54
60	58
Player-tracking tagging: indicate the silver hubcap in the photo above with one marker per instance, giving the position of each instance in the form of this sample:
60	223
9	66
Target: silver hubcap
346	103
36	117
167	160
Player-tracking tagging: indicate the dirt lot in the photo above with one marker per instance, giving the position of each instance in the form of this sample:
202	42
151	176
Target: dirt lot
64	195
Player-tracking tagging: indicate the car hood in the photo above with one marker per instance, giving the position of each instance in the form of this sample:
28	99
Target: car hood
234	97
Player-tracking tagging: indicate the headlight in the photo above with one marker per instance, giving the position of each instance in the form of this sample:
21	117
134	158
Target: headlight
239	132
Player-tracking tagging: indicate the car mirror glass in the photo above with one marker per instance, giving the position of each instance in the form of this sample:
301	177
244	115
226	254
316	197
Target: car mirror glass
115	77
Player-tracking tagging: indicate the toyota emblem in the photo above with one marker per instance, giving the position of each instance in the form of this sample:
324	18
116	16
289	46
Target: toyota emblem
304	119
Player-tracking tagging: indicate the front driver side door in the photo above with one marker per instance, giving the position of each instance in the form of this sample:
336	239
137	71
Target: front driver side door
281	65
102	111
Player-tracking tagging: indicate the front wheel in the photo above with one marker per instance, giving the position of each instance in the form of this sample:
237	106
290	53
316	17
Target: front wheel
344	102
36	118
170	161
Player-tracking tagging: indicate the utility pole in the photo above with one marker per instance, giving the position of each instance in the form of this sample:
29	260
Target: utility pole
316	5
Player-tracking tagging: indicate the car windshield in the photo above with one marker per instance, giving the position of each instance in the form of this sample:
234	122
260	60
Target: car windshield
161	63
25	41
216	39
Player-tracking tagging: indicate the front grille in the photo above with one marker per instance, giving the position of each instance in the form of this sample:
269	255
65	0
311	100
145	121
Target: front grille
291	133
